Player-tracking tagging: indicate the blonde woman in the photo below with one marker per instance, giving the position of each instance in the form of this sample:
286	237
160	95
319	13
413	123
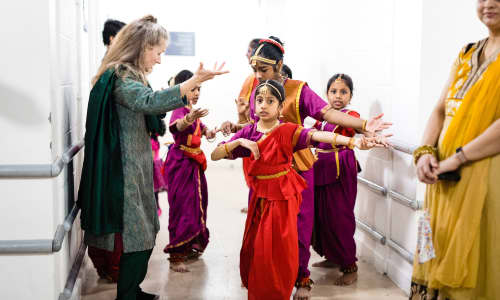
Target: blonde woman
116	190
463	136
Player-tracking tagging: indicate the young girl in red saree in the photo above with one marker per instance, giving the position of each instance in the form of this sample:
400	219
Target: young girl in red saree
269	254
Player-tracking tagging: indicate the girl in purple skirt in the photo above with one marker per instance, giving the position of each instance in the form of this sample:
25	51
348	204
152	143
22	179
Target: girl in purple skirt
335	180
184	171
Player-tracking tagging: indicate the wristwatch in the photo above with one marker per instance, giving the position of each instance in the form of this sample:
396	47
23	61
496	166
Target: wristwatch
461	155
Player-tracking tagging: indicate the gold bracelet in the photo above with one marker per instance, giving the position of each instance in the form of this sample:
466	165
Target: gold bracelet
334	141
350	145
227	150
363	128
186	120
425	149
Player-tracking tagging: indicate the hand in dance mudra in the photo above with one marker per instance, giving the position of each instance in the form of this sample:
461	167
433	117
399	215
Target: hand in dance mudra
378	141
376	124
242	105
250	145
227	128
210	134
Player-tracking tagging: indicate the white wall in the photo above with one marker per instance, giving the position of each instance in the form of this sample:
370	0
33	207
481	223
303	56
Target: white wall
41	76
218	26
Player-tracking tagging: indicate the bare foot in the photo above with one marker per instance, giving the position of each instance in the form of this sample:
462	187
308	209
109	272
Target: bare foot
244	210
325	264
178	267
302	293
347	279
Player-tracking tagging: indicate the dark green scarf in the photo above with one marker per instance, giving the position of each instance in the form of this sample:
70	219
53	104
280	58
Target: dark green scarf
100	196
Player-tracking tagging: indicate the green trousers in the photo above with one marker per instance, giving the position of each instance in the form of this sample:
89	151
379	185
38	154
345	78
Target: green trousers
133	269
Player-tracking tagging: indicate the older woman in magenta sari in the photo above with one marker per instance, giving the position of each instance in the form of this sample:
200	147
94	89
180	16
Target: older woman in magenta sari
463	135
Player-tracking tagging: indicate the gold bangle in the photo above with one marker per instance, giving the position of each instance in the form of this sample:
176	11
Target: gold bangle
334	141
227	150
425	149
186	120
363	128
350	145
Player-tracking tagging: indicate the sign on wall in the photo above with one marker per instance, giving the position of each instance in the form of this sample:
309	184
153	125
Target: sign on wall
181	43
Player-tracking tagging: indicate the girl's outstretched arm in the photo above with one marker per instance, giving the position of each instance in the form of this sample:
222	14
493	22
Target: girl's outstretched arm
362	143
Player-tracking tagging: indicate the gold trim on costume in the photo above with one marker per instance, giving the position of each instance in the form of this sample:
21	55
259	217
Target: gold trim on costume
199	194
337	162
202	221
272	176
296	135
190	150
297	101
184	242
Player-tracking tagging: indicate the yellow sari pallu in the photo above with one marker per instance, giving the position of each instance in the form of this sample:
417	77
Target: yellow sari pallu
456	209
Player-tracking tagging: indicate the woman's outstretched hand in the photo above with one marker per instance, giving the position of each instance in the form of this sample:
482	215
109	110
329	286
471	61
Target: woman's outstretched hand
377	124
203	74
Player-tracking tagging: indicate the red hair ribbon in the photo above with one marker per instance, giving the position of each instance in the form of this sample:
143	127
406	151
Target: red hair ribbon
270	41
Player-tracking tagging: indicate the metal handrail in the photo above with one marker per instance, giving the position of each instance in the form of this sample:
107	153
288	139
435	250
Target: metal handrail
402	146
382	190
372	231
408	256
41	246
413	204
41	170
73	273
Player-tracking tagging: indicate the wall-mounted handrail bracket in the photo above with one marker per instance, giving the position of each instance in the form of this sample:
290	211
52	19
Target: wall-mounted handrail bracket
41	170
372	185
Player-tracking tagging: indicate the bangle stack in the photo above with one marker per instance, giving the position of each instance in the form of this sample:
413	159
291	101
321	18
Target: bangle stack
228	153
186	122
363	128
350	145
334	140
425	149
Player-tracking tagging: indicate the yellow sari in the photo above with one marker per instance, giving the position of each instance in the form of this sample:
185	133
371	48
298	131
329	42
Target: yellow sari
465	216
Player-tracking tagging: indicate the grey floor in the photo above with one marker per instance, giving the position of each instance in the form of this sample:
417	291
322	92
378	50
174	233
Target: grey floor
216	274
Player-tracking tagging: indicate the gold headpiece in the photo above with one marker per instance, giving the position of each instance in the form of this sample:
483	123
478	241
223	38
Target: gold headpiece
339	79
256	58
264	90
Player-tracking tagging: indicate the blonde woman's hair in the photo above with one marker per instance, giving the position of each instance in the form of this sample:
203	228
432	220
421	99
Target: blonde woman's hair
128	48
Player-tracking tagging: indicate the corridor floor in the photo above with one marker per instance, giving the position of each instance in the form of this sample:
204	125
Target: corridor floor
216	274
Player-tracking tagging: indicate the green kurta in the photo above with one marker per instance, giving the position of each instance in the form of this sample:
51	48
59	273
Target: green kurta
133	100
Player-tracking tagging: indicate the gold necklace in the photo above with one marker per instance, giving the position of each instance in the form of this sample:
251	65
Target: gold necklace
267	131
